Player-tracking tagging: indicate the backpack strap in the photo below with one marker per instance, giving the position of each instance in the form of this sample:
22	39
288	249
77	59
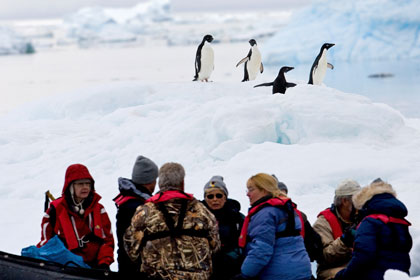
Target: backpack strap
173	231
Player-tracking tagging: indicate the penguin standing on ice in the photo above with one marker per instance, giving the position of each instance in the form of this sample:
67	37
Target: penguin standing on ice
279	84
253	63
319	68
204	60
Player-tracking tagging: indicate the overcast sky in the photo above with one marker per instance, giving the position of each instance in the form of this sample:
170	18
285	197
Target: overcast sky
20	9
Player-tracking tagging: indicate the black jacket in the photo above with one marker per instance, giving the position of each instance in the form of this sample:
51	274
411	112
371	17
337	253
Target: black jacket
228	261
125	212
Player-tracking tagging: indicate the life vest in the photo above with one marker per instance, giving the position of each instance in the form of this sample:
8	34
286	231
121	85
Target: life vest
279	203
121	199
63	222
332	219
387	219
174	231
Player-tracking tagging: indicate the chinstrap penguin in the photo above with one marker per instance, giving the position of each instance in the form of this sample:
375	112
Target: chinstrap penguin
319	68
253	63
204	60
279	84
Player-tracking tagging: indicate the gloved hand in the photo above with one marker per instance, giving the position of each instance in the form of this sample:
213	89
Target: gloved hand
348	236
104	266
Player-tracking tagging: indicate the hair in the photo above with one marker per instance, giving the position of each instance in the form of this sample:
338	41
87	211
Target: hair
264	181
338	199
171	175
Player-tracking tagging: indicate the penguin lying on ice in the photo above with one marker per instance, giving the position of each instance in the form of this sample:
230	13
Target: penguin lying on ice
279	84
204	60
253	63
319	68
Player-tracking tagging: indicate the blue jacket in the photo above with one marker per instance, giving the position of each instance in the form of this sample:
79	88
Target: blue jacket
274	258
379	246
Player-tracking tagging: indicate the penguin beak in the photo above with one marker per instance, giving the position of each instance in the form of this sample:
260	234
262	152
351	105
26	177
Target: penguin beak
330	45
290	68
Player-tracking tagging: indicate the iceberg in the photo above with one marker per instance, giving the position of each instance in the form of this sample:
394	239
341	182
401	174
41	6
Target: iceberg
361	30
92	25
13	43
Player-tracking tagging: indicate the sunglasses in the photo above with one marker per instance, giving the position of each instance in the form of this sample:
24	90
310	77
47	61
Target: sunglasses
211	196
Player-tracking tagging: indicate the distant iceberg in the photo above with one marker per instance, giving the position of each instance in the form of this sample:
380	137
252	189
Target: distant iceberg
362	29
108	25
13	43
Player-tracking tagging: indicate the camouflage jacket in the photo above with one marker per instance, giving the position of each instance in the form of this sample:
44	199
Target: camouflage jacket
180	256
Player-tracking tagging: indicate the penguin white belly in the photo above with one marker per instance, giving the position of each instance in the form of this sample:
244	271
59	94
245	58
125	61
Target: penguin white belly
319	72
254	64
207	62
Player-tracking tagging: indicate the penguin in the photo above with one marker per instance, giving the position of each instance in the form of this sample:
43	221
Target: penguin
252	61
204	60
319	68
279	84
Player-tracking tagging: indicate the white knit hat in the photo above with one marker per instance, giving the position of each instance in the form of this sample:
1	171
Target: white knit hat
347	187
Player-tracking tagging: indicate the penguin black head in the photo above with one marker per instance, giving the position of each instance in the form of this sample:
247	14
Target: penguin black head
252	42
285	69
327	46
208	38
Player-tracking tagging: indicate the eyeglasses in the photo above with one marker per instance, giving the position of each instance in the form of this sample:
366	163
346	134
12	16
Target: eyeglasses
211	196
249	190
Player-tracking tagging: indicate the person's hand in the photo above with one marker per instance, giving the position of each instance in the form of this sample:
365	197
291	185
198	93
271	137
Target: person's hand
104	266
348	236
339	275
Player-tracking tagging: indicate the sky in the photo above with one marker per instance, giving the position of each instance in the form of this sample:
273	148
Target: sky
22	9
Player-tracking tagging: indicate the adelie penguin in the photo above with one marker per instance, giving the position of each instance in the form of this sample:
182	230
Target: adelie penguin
204	60
279	84
319	68
253	63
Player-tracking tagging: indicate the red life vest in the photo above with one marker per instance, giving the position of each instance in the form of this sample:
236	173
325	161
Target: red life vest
276	202
64	224
174	231
387	219
167	195
333	221
121	199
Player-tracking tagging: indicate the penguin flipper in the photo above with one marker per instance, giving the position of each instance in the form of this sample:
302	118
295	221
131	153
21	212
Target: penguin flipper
245	59
290	85
261	68
329	65
264	85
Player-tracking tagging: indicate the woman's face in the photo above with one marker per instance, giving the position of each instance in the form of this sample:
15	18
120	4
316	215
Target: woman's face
215	198
81	189
253	192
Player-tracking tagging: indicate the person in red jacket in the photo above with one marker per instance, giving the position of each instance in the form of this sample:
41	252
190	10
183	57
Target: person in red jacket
79	220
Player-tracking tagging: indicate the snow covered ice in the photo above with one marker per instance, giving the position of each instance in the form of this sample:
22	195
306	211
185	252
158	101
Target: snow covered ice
311	138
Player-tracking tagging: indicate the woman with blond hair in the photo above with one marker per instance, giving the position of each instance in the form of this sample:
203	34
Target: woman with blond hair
272	234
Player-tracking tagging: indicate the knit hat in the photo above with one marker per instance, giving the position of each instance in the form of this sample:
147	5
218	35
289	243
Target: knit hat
282	186
145	171
216	182
347	187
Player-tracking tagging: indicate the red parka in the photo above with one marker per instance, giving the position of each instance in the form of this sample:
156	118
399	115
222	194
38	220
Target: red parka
90	235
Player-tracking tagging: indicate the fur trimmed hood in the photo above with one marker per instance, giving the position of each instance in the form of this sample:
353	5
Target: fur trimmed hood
366	193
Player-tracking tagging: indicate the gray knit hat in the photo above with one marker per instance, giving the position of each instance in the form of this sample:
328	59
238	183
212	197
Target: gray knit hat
282	186
216	182
145	171
347	187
